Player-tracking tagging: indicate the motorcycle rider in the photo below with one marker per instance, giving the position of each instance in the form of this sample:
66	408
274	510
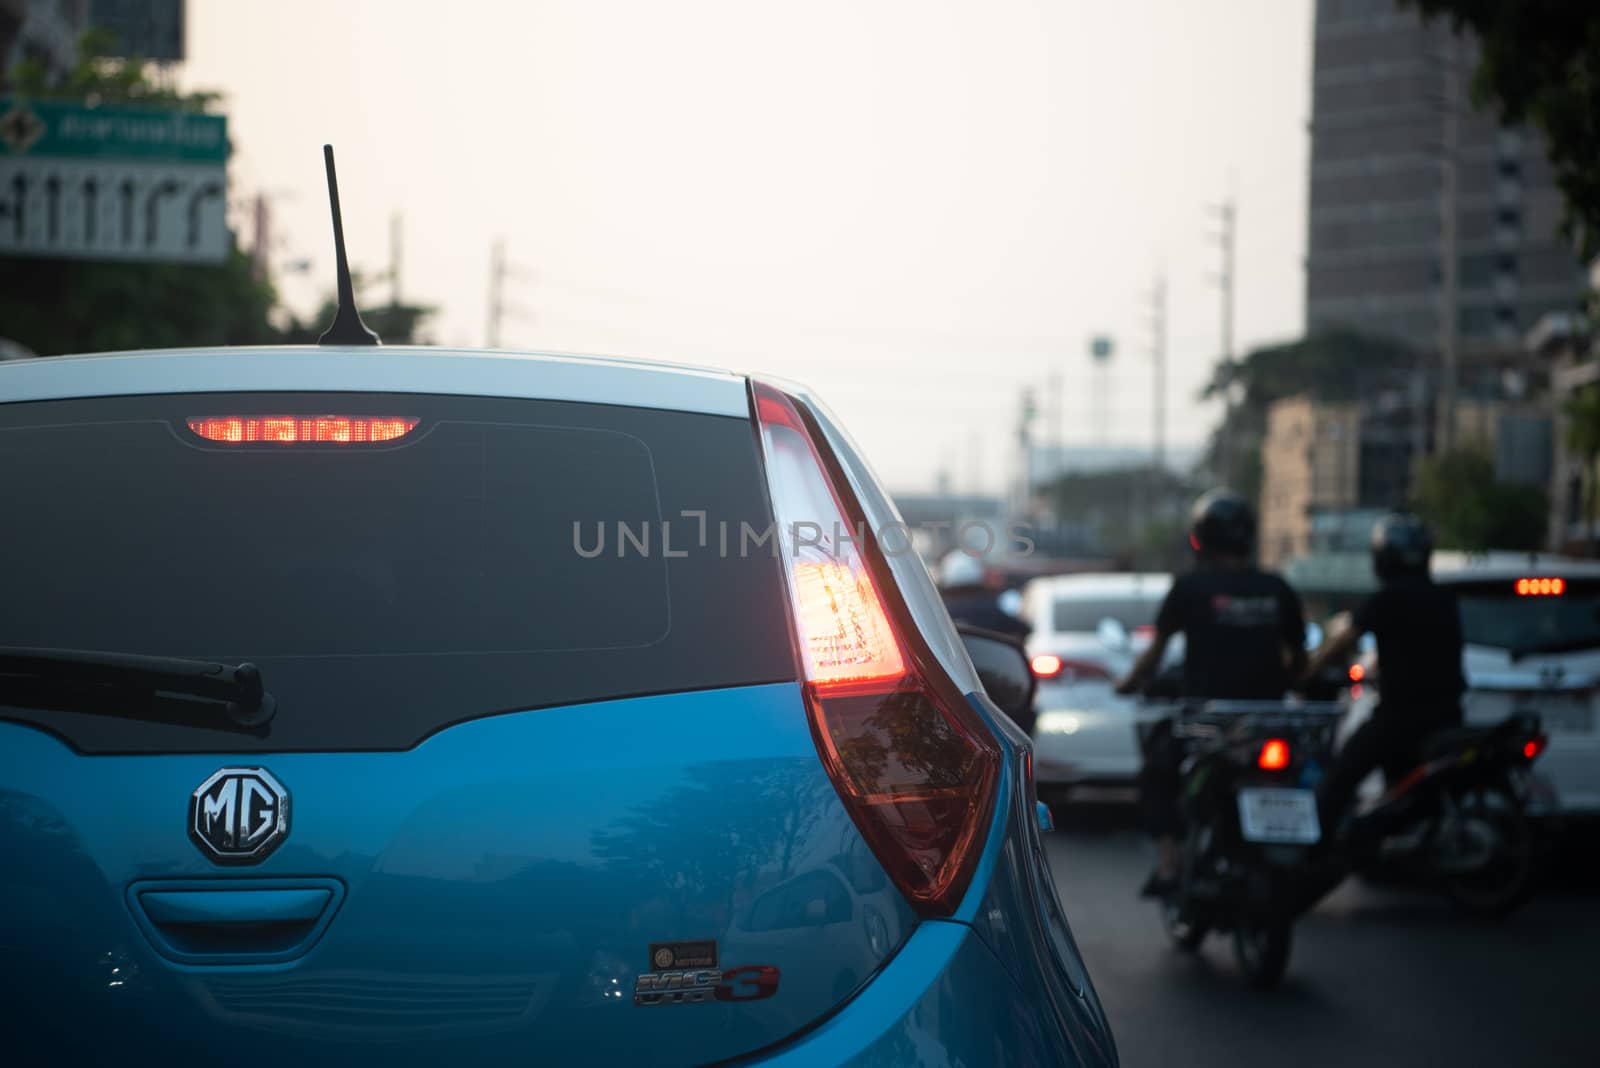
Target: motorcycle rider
970	599
1244	634
1418	628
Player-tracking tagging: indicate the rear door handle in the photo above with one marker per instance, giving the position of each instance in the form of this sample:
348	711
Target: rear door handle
234	921
165	907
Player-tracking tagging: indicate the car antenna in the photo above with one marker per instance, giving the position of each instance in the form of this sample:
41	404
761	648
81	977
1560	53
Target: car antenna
347	328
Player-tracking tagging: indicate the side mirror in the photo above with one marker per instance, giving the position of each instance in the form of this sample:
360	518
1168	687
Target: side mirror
1112	634
1003	669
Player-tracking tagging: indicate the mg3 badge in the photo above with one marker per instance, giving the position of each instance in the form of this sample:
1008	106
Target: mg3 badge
239	815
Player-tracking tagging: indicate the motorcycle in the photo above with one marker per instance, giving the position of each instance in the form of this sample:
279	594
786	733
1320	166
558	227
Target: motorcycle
1457	822
1249	811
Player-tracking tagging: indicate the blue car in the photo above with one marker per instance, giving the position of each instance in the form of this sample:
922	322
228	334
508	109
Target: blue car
421	707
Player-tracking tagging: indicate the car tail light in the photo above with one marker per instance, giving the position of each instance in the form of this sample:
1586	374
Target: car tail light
1050	666
301	429
915	766
1357	672
1533	747
1541	587
1274	755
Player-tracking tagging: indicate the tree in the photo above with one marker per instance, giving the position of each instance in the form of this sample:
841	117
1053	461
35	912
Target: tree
1583	438
1457	493
100	76
395	324
1333	365
55	306
1541	64
1132	510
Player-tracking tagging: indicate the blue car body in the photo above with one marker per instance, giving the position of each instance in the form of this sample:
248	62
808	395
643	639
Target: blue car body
492	891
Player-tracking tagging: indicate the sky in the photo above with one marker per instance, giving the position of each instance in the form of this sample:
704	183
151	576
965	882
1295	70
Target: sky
919	209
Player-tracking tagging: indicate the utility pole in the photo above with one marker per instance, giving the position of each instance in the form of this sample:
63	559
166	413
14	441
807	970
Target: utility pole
1449	326
261	246
1101	349
1227	213
1055	423
1158	359
394	260
974	463
497	280
1025	445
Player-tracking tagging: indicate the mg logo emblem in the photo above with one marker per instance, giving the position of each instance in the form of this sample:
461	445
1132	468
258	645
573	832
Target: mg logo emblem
239	815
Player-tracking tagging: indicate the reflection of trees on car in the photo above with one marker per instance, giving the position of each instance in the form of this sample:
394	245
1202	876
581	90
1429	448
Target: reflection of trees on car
689	841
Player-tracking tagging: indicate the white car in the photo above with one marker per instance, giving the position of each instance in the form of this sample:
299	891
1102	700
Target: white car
1087	630
1532	633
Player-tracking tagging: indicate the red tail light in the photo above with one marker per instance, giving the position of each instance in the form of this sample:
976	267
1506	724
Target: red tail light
914	765
301	429
1541	587
1274	755
1533	747
1050	666
1357	672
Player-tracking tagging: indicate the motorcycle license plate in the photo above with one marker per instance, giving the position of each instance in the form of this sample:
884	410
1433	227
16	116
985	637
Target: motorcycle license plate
1277	815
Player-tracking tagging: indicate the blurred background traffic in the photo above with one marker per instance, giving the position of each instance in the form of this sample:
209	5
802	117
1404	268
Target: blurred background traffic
1059	266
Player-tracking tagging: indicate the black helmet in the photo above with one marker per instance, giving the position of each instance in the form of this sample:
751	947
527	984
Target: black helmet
1401	545
1221	524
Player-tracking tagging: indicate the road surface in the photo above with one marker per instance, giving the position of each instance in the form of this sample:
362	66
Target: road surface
1377	977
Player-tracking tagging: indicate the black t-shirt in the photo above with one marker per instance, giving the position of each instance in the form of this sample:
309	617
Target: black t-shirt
1236	623
1418	628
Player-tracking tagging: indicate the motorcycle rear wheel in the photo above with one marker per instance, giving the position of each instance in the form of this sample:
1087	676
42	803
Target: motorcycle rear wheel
1495	813
1261	948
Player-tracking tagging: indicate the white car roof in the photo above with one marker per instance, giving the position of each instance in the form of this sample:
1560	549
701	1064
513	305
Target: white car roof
386	368
1449	567
1153	585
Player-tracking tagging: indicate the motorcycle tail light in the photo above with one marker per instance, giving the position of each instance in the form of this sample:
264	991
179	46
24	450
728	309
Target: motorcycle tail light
1274	755
1533	747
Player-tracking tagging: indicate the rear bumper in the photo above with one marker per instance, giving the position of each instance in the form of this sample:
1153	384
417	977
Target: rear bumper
1109	756
943	999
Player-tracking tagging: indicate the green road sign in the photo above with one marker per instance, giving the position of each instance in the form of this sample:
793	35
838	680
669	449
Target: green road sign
127	183
57	128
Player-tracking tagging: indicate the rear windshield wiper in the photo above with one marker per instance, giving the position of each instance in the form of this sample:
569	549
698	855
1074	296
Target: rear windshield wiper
87	680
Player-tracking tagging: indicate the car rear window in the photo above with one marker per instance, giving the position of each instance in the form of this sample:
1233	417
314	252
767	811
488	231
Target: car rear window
1085	614
1495	615
504	554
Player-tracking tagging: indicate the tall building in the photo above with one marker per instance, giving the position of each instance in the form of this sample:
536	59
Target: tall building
1377	125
